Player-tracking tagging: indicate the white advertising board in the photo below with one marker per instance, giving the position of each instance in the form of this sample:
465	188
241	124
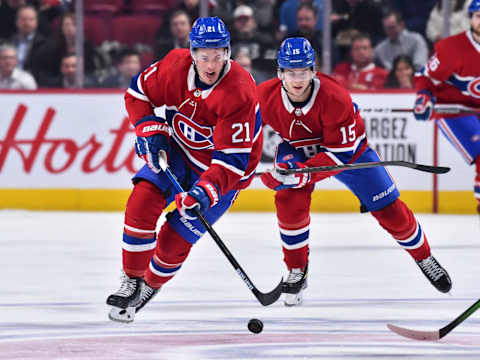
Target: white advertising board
83	140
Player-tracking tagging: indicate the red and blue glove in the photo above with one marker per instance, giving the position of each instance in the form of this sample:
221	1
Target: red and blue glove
153	134
276	181
201	196
424	103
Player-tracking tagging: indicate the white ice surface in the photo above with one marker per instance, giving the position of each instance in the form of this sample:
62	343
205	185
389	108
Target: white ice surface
59	267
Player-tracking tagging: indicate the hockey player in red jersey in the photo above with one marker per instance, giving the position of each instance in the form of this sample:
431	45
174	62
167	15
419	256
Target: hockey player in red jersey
199	109
452	76
321	126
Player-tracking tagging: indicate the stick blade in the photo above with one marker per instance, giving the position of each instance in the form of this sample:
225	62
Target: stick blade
270	297
432	169
415	334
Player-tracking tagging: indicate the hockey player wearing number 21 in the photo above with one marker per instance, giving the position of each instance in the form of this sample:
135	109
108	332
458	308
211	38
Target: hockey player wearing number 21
199	109
321	126
452	76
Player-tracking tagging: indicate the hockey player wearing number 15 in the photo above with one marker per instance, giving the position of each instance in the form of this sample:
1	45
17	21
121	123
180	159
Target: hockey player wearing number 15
207	122
320	126
448	78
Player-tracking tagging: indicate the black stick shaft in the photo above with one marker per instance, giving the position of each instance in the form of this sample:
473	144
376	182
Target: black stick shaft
420	167
264	298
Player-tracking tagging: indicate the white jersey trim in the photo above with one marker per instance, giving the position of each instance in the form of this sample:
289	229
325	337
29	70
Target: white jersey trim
236	150
475	44
229	167
349	148
137	95
288	105
191	79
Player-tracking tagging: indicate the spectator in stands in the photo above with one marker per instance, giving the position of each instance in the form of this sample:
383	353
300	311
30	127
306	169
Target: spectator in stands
361	73
27	40
350	18
50	57
307	26
246	37
400	41
48	11
180	26
401	75
8	14
67	77
458	19
129	65
244	60
363	16
414	12
289	16
12	77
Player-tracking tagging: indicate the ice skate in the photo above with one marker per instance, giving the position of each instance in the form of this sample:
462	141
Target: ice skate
435	273
133	295
294	286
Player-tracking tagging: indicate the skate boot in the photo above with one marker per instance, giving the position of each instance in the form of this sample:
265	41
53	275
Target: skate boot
294	286
125	300
435	273
147	294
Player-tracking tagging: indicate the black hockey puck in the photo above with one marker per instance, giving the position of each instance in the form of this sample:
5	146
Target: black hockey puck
255	326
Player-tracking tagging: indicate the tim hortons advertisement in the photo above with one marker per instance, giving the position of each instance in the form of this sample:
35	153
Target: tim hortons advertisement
65	141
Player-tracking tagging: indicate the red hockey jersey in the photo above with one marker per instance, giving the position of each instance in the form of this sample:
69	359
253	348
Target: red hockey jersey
328	129
371	76
219	130
452	74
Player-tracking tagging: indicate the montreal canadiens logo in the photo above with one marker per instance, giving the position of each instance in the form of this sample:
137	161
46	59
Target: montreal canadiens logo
474	88
191	134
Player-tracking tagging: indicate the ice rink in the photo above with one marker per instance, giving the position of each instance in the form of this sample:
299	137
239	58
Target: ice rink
59	267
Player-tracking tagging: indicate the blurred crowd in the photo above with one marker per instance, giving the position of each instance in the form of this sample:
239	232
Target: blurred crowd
376	44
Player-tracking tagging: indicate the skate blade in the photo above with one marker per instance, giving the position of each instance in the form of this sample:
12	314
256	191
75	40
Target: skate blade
122	315
293	299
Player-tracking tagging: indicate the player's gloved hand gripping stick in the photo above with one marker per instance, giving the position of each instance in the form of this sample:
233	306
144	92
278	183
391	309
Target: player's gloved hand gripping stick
264	298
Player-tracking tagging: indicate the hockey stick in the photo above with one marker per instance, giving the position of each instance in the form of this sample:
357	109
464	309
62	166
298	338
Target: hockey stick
438	334
439	109
426	168
264	298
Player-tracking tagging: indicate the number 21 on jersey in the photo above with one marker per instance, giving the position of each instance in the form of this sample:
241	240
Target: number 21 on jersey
241	132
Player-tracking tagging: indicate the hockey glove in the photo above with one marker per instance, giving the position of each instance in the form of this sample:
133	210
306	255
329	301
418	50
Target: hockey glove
201	196
153	134
273	180
424	103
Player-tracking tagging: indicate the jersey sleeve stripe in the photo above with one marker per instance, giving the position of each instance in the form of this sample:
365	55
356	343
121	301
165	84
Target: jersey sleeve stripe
347	148
237	160
258	123
424	72
334	158
229	167
137	95
136	89
236	150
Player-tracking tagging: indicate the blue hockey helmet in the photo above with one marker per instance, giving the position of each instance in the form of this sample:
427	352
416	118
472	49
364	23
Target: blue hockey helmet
294	53
209	32
474	7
